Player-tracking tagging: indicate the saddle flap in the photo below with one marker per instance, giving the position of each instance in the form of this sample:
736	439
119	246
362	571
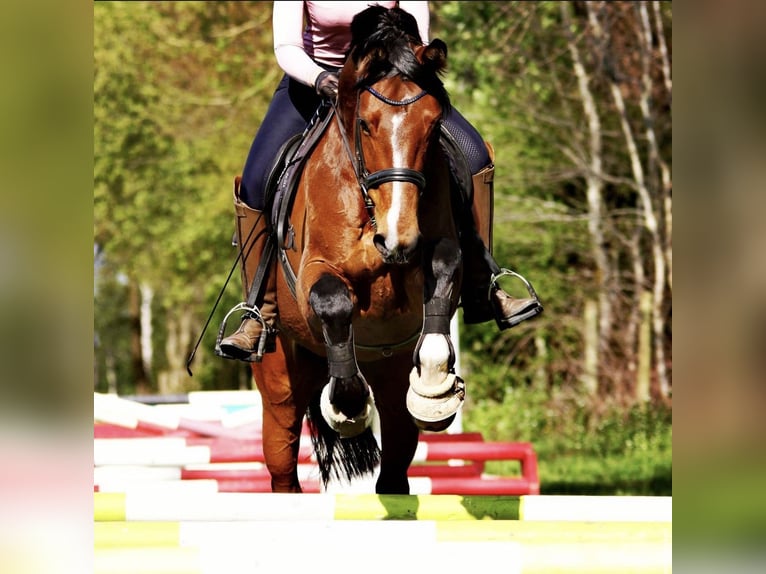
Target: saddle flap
293	157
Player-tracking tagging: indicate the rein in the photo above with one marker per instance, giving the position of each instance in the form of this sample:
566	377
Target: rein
375	179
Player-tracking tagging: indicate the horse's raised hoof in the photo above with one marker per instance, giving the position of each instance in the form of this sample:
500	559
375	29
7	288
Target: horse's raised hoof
345	426
436	413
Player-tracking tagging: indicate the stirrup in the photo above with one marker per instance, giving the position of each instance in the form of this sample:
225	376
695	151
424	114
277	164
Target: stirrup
529	312
495	276
266	343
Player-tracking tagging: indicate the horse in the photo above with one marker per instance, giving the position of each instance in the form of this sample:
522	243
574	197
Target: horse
371	274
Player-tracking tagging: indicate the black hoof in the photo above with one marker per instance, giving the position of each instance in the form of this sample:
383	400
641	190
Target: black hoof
434	426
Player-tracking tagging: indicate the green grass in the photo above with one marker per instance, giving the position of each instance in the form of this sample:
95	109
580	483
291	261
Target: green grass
582	448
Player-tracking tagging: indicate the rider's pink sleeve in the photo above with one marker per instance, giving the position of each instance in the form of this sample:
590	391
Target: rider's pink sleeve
328	44
422	15
287	24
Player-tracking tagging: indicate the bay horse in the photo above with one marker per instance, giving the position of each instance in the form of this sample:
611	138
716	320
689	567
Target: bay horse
371	275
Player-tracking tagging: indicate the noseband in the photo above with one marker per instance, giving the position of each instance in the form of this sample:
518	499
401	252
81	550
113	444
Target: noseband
375	179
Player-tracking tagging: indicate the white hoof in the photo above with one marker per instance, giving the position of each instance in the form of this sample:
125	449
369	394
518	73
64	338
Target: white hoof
434	409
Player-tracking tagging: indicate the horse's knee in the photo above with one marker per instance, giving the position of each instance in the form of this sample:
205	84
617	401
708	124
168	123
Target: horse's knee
330	300
329	297
446	258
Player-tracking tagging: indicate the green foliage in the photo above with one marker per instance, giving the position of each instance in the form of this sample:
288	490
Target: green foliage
177	98
551	254
582	447
112	328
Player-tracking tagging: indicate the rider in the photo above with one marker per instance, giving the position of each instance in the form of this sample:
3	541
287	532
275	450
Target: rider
311	58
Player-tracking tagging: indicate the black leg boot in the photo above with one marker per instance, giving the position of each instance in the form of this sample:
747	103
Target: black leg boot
481	296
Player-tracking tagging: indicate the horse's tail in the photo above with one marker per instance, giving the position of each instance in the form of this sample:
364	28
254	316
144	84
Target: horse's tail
341	458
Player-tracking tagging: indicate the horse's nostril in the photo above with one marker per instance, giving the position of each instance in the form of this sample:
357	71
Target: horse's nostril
380	243
400	253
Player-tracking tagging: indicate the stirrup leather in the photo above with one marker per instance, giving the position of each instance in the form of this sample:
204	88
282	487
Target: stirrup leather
266	342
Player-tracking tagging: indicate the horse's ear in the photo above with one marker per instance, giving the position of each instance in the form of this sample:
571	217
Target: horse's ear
372	64
435	55
379	54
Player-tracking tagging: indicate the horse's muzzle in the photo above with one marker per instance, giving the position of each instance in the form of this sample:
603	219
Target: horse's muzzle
399	254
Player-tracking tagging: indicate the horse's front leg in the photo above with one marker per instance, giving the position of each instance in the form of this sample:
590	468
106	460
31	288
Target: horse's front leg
346	403
436	392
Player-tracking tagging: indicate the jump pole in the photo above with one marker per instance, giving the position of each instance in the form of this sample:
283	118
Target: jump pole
260	535
384	547
181	450
154	419
167	506
305	556
419	485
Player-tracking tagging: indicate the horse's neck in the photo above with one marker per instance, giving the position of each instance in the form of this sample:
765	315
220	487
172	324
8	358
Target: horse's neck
332	188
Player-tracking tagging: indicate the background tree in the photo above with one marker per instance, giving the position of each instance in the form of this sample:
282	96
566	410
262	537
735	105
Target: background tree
173	84
578	208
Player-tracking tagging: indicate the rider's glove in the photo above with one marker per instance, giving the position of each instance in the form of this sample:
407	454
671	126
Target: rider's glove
327	85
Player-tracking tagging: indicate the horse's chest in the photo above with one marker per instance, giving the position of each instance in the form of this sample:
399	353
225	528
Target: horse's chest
389	295
384	290
380	289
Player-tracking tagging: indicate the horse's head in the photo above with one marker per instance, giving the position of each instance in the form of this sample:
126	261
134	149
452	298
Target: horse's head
391	101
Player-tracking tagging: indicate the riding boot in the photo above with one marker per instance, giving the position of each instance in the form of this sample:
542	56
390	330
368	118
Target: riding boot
482	298
252	232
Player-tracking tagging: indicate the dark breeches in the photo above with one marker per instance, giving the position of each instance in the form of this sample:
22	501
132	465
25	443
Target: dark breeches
468	139
290	110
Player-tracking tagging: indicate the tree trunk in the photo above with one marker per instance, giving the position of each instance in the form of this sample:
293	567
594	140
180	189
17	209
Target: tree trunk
147	349
175	379
635	319
589	378
662	192
594	189
111	373
140	379
667	182
643	376
540	376
648	208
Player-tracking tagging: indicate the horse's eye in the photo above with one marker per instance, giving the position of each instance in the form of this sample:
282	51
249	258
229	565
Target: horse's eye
364	127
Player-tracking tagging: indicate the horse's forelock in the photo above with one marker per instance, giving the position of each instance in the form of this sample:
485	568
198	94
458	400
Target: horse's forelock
390	32
379	25
381	46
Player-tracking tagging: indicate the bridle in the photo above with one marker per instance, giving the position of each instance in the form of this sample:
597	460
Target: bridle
375	179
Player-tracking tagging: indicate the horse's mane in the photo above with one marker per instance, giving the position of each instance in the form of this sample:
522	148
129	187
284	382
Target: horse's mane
383	38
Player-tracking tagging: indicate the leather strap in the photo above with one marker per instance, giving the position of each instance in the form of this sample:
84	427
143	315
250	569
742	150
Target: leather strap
255	296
